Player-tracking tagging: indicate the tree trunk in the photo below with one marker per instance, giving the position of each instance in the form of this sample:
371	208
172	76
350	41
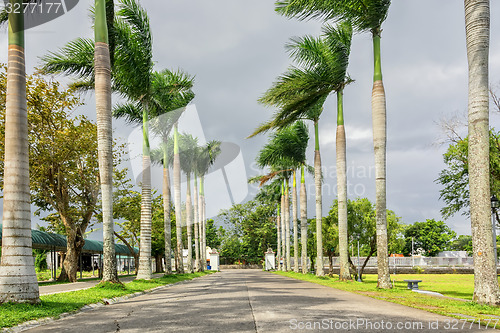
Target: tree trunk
283	232
319	200
477	26
177	202
203	251
342	192
204	225
196	228
145	269
379	144
278	234
189	224
167	223
159	263
287	225
74	245
295	225
18	282
303	221
102	68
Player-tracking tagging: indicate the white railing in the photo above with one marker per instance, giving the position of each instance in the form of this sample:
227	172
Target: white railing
407	261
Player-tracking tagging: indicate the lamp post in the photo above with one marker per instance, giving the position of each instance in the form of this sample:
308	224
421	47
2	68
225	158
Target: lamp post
494	206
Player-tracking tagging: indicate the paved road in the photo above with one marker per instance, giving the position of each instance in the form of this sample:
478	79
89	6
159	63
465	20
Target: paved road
251	301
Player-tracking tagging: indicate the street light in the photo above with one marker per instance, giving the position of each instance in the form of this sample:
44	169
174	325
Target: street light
495	204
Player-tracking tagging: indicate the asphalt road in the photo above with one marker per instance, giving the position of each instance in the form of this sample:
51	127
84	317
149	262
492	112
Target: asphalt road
253	301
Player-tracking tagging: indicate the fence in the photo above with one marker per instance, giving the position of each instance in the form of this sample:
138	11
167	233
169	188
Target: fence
406	261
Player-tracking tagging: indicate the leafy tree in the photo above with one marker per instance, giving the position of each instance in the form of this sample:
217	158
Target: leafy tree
432	236
361	219
462	243
214	235
64	175
251	230
455	178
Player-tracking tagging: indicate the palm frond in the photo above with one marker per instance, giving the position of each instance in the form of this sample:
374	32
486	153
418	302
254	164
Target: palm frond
132	112
76	58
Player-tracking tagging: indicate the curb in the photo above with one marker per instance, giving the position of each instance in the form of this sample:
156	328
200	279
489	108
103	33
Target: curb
89	307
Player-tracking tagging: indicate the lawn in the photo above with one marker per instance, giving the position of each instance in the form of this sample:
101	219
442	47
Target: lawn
56	304
450	285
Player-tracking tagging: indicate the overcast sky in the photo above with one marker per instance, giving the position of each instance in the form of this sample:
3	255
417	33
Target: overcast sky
236	50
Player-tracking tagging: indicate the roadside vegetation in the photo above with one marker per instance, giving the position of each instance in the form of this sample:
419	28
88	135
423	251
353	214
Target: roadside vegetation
457	290
52	306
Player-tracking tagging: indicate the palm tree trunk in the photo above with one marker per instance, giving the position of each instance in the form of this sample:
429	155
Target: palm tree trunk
167	223
342	191
145	269
303	221
189	224
287	226
196	224
278	234
319	200
477	26
102	67
295	225
379	145
283	230
204	221
18	281
203	250
177	201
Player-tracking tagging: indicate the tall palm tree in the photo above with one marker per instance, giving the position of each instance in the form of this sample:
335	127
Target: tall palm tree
102	68
284	153
303	221
365	16
135	84
301	92
171	93
477	27
207	156
176	169
131	61
187	157
18	282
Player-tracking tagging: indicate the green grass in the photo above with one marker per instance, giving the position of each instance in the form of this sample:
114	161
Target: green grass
450	285
56	304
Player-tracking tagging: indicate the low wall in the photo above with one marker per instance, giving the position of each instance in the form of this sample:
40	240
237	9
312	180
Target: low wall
221	267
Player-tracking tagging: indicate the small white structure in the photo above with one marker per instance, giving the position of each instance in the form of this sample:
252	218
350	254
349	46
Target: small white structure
214	260
270	259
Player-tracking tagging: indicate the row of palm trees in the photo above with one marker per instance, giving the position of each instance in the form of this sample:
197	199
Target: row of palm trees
118	60
320	69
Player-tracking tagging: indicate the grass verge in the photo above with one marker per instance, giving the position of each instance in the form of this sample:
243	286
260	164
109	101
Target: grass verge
450	285
55	304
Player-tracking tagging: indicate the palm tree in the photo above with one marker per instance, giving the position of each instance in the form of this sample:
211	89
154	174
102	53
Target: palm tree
131	61
477	27
135	83
18	282
303	221
187	156
207	156
301	93
284	153
102	68
176	169
171	93
365	16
